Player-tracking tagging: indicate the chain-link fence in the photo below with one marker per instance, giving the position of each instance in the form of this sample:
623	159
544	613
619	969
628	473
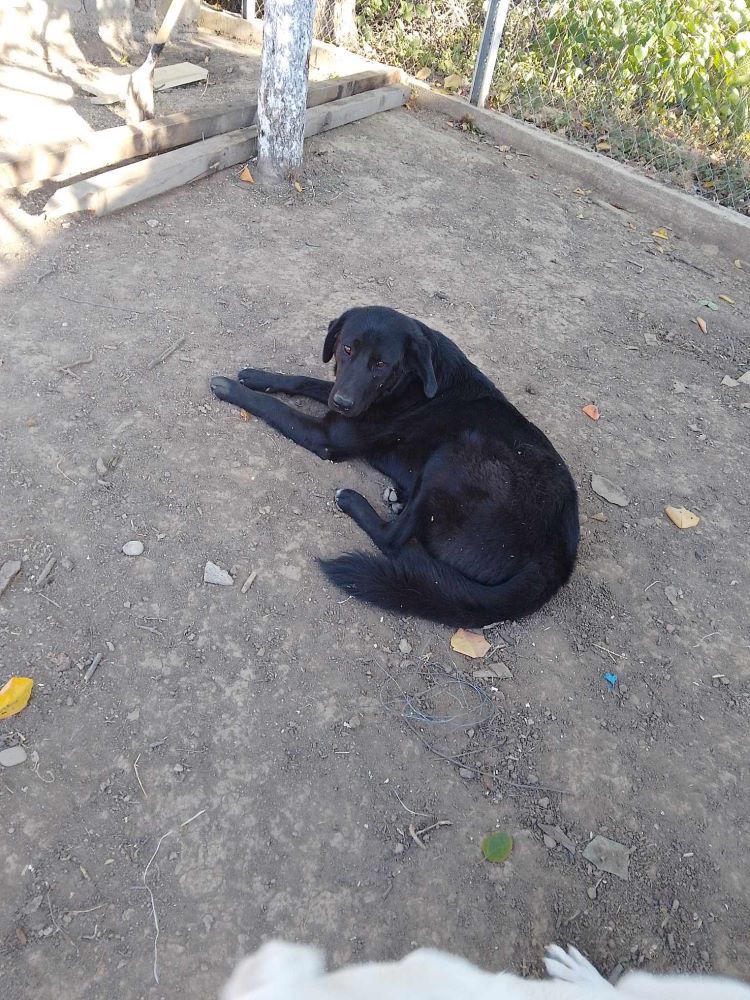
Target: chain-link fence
663	85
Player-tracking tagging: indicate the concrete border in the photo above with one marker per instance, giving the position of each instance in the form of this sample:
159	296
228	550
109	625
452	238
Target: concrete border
687	215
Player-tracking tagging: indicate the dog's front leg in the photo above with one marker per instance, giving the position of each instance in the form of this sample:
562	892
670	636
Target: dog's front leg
309	432
292	385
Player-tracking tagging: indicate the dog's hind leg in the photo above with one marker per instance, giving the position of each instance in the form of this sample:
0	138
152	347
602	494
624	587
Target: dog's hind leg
389	536
293	385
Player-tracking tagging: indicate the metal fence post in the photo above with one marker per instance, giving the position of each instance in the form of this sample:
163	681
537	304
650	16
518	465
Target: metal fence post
248	9
487	55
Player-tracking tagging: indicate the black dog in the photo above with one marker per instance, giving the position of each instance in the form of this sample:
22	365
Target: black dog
489	528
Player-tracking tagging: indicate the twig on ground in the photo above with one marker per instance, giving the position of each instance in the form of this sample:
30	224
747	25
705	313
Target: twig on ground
92	669
167	353
147	887
415	837
433	826
192	818
410	811
66	368
48	600
651	585
46	571
138	777
689	263
249	582
73	481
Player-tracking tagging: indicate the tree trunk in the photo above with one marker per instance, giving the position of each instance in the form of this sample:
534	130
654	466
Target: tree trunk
282	96
335	22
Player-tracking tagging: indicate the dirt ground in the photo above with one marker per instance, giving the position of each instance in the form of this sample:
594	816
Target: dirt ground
257	740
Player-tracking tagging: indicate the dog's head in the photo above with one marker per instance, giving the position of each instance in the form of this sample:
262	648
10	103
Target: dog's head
377	352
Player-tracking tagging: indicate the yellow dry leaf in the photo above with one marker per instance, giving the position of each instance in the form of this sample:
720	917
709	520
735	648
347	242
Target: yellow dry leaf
725	298
453	82
298	187
471	644
682	517
244	415
660	233
14	696
701	324
603	147
246	176
738	264
424	73
592	411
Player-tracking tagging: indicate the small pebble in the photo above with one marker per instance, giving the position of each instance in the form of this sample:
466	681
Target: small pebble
405	647
544	802
465	772
12	756
591	892
398	849
550	842
152	222
134	548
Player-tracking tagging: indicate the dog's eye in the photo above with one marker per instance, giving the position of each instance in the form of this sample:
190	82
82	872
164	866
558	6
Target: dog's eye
381	364
347	349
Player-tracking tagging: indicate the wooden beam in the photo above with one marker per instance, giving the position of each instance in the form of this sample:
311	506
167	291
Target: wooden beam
116	189
109	85
114	146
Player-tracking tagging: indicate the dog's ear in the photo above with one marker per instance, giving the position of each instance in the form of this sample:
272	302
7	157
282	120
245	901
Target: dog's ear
420	350
334	329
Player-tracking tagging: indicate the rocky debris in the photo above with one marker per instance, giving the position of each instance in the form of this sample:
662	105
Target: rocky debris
608	490
608	856
216	575
12	756
8	572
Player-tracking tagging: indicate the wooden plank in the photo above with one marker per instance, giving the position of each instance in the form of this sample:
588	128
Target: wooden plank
113	146
116	189
109	86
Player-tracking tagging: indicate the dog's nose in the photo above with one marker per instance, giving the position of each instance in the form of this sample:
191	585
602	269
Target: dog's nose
343	402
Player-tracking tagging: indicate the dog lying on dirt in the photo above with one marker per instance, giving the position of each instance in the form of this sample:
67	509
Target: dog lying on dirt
280	971
488	524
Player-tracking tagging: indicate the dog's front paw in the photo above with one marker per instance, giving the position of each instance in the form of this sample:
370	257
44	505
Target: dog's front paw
343	499
571	966
222	388
391	498
254	378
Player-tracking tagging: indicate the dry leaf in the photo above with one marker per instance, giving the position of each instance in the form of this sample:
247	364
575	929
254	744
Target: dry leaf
471	644
682	517
602	517
701	324
244	415
453	82
591	411
603	147
424	73
246	176
504	149
298	187
660	233
739	264
14	696
725	298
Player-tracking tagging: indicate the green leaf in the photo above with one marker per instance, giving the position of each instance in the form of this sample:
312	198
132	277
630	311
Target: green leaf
496	847
709	304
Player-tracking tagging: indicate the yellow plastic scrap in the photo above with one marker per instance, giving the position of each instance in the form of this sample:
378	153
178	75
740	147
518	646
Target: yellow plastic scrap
14	696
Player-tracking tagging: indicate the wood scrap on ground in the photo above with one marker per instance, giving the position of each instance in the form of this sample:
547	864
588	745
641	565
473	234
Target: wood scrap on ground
115	189
116	146
110	86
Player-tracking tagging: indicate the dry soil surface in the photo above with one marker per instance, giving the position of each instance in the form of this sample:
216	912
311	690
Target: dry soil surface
247	764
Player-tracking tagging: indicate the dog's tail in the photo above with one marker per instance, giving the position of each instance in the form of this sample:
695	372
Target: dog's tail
413	583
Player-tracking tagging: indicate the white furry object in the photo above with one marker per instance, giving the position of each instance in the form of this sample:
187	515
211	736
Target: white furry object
280	971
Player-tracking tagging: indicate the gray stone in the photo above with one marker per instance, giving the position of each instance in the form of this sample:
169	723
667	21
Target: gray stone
216	575
608	490
12	756
8	572
134	548
405	647
550	842
608	856
465	772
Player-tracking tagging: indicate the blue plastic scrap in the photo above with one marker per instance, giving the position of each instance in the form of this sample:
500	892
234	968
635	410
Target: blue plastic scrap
611	679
